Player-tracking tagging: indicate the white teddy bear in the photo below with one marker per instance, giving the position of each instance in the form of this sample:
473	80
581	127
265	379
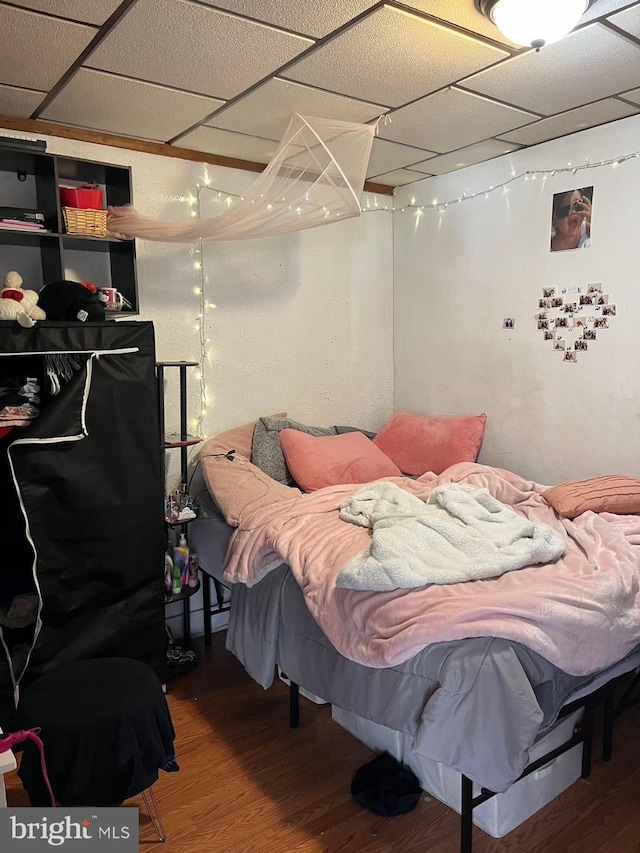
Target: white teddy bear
18	304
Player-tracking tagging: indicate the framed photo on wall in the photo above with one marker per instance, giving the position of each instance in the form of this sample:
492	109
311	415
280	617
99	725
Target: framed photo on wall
571	219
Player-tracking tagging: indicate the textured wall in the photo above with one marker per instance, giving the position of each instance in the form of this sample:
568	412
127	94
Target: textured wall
459	273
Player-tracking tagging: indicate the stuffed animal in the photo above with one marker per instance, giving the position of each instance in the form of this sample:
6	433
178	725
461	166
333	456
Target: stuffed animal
18	304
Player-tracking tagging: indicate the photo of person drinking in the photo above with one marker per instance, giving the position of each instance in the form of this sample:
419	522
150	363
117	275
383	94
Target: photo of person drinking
571	219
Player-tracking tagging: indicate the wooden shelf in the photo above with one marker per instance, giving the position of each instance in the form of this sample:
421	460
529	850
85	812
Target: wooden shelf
176	440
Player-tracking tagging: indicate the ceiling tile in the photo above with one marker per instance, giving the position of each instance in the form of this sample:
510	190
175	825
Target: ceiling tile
392	57
228	144
558	78
386	156
37	50
89	11
463	14
119	105
450	120
192	47
633	96
398	178
301	16
267	110
590	115
19	102
478	153
603	7
629	20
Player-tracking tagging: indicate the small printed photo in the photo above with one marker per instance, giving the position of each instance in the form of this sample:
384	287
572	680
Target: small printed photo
562	323
579	323
586	300
509	323
543	324
608	310
589	335
545	303
601	323
559	345
602	299
556	302
570	355
548	291
549	336
541	316
594	288
580	345
570	307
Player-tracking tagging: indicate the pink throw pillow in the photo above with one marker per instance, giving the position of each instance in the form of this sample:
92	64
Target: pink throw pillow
611	493
418	444
330	460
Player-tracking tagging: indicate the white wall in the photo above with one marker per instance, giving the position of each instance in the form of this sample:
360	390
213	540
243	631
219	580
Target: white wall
302	323
459	272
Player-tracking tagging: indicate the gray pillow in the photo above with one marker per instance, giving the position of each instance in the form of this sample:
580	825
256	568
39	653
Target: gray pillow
342	429
266	452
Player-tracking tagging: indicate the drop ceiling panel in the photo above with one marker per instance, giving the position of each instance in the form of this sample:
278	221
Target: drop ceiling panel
451	119
301	16
632	96
603	7
37	50
566	74
392	57
192	47
465	157
398	178
628	20
579	119
266	111
463	14
129	107
88	11
227	144
19	102
387	156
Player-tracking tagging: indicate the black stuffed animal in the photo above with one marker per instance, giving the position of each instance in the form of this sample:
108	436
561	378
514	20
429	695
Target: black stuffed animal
71	301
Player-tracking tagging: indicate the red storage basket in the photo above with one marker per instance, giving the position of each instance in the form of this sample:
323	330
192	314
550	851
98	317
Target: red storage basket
86	197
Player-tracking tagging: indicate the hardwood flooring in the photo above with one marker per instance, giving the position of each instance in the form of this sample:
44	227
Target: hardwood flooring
249	784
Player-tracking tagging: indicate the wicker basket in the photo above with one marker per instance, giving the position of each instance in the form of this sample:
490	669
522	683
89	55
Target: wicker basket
90	222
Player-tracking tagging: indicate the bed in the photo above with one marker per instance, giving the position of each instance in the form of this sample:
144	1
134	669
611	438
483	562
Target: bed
472	696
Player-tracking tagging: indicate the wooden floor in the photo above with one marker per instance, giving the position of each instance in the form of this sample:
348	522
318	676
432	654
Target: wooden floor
249	784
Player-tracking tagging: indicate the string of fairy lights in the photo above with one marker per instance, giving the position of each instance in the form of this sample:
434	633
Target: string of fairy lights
372	205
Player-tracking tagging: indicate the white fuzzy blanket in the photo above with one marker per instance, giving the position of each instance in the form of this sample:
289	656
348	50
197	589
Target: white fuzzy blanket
460	534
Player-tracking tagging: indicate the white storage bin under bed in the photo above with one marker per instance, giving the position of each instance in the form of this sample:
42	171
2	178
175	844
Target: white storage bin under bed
501	813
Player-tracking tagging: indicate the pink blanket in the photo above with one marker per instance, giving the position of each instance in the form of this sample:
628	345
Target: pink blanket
582	613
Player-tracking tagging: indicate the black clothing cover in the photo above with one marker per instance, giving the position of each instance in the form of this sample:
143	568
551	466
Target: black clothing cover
90	481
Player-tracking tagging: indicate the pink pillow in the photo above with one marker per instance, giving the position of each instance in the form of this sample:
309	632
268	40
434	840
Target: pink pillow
329	460
418	444
238	438
610	493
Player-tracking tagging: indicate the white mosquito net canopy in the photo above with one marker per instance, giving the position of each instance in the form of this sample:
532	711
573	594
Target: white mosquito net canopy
316	176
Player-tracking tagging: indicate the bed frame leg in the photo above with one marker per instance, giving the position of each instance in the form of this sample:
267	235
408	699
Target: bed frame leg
206	606
466	815
607	725
587	745
294	705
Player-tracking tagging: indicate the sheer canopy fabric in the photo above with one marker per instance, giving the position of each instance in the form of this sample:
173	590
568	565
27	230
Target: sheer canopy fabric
316	176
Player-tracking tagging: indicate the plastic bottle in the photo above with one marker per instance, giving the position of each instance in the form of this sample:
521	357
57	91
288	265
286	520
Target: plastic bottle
181	559
176	585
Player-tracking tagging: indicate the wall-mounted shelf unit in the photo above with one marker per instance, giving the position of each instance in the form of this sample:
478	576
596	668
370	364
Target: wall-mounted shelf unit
29	180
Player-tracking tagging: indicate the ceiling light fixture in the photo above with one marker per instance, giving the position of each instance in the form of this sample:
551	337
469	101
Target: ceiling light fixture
534	23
